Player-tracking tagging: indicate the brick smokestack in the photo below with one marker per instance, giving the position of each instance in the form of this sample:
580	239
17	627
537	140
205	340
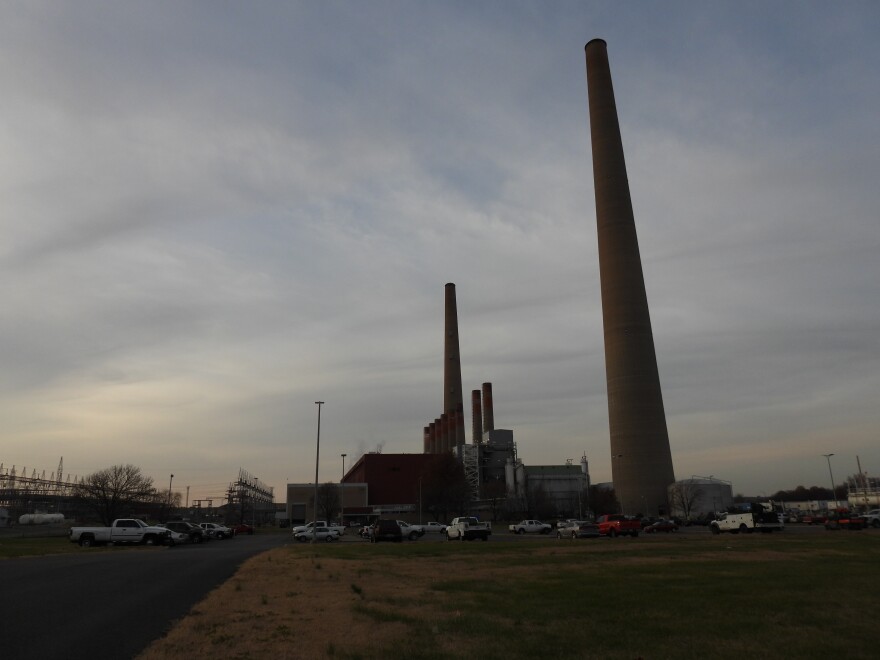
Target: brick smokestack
477	415
443	440
459	425
426	435
452	397
641	464
437	446
488	411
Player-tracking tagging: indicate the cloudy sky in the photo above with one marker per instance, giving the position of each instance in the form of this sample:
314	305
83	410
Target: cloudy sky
214	214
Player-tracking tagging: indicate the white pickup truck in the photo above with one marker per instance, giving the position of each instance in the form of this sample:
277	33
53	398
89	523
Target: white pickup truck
530	527
321	523
746	522
123	530
468	529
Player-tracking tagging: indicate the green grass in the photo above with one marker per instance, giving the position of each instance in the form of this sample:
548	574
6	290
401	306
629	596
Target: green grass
24	547
775	596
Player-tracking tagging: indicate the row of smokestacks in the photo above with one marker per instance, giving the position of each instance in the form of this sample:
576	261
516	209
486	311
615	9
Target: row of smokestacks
446	432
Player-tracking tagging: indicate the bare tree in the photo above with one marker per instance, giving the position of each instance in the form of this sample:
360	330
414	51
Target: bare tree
495	492
538	502
603	500
444	487
684	495
328	500
111	492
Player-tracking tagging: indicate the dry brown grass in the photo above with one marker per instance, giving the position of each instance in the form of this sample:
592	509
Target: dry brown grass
296	604
283	604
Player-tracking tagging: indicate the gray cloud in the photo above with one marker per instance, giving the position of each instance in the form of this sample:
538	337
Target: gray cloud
213	217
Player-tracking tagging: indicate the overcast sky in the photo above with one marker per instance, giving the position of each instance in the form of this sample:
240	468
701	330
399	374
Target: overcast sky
214	214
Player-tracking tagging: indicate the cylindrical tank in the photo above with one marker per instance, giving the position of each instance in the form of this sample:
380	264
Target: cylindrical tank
508	477
520	479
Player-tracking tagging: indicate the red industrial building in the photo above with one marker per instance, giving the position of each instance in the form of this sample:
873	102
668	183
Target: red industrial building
377	484
392	479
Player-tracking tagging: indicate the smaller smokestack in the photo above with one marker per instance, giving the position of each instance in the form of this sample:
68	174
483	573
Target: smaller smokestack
426	439
488	412
444	433
437	448
477	416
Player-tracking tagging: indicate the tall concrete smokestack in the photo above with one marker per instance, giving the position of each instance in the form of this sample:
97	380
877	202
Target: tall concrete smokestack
488	410
452	397
641	463
477	416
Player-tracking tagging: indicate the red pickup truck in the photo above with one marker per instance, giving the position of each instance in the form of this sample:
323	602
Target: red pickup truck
618	525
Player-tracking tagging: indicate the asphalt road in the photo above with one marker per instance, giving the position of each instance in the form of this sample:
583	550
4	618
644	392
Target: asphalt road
110	604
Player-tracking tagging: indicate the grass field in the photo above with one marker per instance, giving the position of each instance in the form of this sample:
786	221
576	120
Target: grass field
35	546
695	596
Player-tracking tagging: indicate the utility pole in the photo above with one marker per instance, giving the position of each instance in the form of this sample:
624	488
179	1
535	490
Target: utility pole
317	456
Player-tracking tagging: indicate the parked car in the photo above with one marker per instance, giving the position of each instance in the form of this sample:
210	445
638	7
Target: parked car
320	533
196	534
411	532
435	527
661	526
468	528
846	520
530	527
366	532
340	529
872	517
242	528
579	530
386	530
177	538
618	525
216	531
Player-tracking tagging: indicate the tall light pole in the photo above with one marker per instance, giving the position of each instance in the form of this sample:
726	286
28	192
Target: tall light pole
342	492
317	456
169	494
831	474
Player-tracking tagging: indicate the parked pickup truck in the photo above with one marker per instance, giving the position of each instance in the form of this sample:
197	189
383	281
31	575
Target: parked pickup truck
467	529
321	523
754	520
618	525
123	530
530	527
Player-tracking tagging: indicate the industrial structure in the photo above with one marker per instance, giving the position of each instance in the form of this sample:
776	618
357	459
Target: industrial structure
31	497
490	463
699	497
641	463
